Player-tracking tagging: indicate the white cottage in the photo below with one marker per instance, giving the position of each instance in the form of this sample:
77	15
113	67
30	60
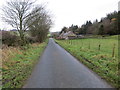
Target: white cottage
68	35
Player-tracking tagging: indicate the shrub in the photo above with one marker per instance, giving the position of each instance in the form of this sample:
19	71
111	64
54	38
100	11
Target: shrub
9	39
31	40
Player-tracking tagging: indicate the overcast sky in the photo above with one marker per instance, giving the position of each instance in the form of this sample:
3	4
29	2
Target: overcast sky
77	12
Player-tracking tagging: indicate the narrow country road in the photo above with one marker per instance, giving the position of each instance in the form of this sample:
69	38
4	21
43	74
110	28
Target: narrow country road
58	69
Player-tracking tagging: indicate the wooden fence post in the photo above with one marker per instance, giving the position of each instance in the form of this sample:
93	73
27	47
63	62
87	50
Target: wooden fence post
99	47
113	52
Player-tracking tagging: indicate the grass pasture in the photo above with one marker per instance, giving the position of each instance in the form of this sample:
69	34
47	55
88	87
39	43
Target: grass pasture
99	54
17	64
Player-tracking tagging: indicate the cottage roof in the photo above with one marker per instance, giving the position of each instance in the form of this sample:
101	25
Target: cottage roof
69	33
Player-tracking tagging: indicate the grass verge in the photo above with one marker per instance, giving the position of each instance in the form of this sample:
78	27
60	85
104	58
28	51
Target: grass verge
101	62
17	64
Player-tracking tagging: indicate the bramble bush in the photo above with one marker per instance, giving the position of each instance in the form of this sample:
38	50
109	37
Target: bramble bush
14	40
9	39
31	40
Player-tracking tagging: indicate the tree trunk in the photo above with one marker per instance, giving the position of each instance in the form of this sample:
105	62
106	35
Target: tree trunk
22	36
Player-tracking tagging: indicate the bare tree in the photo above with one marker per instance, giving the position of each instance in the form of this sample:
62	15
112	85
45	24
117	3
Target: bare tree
16	12
39	22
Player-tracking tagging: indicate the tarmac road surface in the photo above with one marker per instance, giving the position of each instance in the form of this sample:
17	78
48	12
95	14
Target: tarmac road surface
58	69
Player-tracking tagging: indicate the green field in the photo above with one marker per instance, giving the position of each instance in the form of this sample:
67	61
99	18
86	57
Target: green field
99	54
18	64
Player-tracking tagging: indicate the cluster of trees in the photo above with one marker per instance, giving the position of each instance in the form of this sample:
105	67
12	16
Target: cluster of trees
106	26
25	16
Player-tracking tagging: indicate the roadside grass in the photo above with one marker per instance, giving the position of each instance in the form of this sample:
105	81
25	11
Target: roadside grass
100	60
17	64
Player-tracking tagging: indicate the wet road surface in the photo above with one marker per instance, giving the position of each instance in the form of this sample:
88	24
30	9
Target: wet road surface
58	69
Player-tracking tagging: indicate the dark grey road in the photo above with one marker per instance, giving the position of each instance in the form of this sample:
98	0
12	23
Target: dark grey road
58	69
